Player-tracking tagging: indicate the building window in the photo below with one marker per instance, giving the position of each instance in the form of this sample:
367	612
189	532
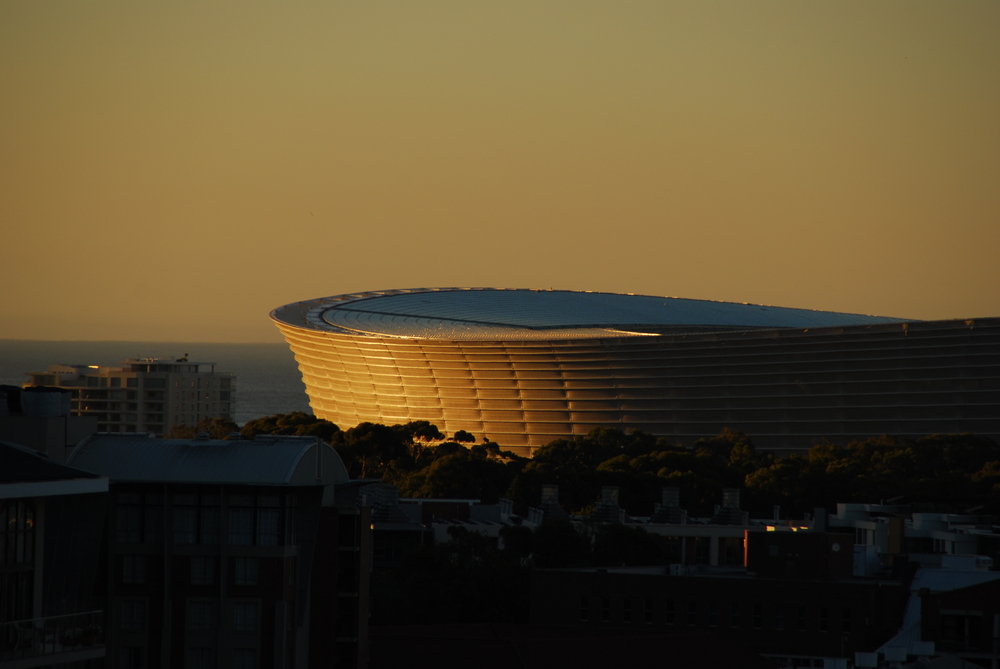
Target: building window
692	613
757	617
824	620
185	519
201	616
244	658
241	527
153	519
701	550
734	615
845	621
732	551
133	615
668	612
267	526
201	658
210	520
17	536
202	570
130	657
648	616
584	609
128	518
134	569
245	616
779	618
626	610
247	570
605	610
116	382
132	382
800	620
713	614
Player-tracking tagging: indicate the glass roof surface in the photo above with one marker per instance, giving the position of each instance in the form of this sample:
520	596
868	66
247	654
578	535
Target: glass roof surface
529	314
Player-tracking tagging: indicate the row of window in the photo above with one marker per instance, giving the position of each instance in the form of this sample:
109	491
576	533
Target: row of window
246	572
778	617
253	520
202	616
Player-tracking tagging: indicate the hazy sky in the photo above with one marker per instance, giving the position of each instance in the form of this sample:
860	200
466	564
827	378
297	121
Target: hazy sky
175	170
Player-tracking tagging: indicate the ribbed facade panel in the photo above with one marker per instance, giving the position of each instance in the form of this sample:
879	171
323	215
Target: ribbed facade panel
785	387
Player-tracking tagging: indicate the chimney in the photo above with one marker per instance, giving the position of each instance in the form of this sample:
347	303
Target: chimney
672	497
550	494
609	495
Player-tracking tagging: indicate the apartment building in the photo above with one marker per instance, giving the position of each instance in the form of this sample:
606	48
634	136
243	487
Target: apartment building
144	394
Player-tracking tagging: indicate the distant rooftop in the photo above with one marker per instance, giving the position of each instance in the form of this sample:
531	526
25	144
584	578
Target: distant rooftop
497	314
265	460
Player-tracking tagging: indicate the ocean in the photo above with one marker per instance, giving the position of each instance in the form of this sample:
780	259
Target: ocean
267	376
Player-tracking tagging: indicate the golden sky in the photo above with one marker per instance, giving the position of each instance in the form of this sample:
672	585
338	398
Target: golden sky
175	170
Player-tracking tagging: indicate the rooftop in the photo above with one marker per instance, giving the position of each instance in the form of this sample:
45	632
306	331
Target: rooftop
497	314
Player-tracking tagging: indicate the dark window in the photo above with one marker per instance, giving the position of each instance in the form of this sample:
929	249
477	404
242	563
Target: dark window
247	570
202	570
626	610
757	617
201	616
185	514
134	569
701	550
153	519
800	620
132	383
734	615
845	621
130	657
584	609
824	620
713	614
244	658
692	613
668	612
201	658
133	615
245	616
779	617
605	610
648	616
128	518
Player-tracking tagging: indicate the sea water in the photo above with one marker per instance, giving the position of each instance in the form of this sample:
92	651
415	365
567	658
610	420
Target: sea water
267	376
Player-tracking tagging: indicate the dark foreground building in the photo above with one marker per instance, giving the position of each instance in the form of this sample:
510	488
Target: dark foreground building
231	553
524	367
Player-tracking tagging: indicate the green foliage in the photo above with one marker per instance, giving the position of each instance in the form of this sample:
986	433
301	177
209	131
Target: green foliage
960	470
296	423
215	428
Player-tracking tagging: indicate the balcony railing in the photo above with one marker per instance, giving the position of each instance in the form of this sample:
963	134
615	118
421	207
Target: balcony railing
45	637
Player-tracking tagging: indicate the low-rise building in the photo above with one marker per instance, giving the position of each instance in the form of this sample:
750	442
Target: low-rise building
232	553
51	523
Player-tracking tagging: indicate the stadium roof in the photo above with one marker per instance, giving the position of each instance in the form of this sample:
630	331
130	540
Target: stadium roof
497	314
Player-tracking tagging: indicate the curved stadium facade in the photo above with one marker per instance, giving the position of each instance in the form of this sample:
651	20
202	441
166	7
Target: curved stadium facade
524	367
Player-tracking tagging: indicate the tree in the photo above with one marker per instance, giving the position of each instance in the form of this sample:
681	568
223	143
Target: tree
215	428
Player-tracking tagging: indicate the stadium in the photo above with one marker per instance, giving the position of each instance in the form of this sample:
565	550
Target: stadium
525	367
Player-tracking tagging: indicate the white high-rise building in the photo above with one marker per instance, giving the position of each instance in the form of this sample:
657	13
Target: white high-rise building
144	394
